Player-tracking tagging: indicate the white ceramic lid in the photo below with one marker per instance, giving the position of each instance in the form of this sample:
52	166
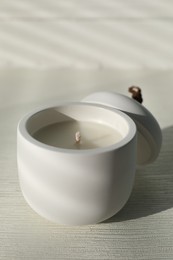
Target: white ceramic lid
149	132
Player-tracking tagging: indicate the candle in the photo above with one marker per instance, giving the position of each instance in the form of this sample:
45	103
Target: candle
66	135
76	162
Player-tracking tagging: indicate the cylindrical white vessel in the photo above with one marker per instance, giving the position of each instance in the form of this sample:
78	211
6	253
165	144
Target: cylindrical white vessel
76	187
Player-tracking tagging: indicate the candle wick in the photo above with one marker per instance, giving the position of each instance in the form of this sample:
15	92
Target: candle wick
77	137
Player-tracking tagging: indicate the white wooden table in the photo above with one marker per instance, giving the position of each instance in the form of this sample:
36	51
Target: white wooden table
64	50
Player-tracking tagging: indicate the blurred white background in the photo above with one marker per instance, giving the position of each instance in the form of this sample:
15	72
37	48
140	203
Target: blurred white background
65	49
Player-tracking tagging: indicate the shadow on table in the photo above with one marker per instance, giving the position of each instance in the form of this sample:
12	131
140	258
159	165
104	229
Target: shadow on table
153	188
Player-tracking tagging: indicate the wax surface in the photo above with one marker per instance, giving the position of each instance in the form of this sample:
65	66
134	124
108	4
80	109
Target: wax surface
93	135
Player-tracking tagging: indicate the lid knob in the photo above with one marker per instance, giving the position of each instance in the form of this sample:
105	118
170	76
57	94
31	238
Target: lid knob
136	93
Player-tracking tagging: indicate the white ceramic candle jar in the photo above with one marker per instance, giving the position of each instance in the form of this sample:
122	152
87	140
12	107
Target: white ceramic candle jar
71	181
